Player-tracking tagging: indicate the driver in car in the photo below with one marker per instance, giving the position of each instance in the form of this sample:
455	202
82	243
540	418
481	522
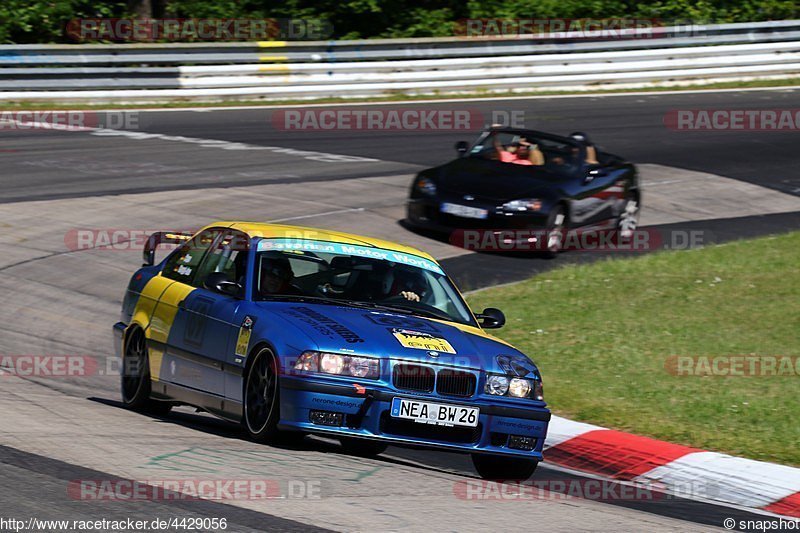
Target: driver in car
408	284
277	277
383	282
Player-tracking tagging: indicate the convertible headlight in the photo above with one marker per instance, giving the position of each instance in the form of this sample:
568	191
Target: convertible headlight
521	206
339	365
496	385
426	186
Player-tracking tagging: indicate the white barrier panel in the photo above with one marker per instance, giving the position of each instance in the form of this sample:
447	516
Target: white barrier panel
344	68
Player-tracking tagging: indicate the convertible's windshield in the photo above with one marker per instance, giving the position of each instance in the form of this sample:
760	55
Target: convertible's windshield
356	275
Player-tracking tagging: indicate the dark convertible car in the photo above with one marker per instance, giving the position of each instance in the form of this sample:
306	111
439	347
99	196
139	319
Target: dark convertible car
529	187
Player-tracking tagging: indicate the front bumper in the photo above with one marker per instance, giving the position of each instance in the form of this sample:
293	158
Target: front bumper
426	213
497	422
499	232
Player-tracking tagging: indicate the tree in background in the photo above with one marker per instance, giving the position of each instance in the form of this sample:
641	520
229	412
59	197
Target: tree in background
42	21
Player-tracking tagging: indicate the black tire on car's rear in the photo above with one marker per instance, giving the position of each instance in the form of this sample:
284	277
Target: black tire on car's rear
555	232
135	377
362	447
496	467
262	397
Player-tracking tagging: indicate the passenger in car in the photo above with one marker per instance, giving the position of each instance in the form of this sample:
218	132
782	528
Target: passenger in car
520	153
591	151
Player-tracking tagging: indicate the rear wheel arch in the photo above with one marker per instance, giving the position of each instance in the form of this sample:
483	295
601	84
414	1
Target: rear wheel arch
134	327
139	398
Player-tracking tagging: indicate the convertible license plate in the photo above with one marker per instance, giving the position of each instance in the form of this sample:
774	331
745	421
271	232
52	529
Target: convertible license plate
463	211
435	413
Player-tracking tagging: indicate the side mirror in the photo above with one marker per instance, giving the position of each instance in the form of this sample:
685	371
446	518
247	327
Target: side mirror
219	282
462	147
491	318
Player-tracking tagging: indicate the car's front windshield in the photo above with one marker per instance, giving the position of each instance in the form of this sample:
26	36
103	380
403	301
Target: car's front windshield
331	272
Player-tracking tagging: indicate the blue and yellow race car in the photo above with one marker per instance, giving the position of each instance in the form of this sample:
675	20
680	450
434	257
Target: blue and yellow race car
291	330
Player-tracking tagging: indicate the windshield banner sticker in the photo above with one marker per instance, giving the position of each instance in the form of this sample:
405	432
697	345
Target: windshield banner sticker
298	245
422	341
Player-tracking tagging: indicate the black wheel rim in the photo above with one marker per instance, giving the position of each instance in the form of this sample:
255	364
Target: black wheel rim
260	392
134	365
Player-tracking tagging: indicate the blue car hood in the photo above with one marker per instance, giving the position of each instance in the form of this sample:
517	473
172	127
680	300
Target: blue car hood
344	329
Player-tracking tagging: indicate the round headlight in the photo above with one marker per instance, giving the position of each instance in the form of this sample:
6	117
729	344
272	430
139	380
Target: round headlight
519	388
426	186
331	363
362	367
497	385
528	204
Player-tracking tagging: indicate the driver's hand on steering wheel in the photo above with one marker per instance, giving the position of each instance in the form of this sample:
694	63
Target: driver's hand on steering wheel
329	289
410	296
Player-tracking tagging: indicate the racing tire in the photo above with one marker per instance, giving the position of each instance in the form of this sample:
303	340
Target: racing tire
555	232
261	410
496	467
135	380
362	447
628	219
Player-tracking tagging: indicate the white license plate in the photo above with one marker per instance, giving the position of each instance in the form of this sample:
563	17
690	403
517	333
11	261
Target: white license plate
439	414
463	210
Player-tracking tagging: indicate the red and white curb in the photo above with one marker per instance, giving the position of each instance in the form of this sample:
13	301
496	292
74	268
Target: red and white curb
623	456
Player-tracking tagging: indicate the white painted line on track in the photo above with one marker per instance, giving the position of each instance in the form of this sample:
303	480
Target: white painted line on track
324	157
336	212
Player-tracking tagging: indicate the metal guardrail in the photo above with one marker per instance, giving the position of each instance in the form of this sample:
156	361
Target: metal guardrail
279	70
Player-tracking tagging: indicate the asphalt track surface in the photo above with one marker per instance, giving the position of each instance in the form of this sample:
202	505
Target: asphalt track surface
56	166
632	126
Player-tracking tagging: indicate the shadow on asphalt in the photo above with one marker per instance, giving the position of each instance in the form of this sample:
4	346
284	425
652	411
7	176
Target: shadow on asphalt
438	462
